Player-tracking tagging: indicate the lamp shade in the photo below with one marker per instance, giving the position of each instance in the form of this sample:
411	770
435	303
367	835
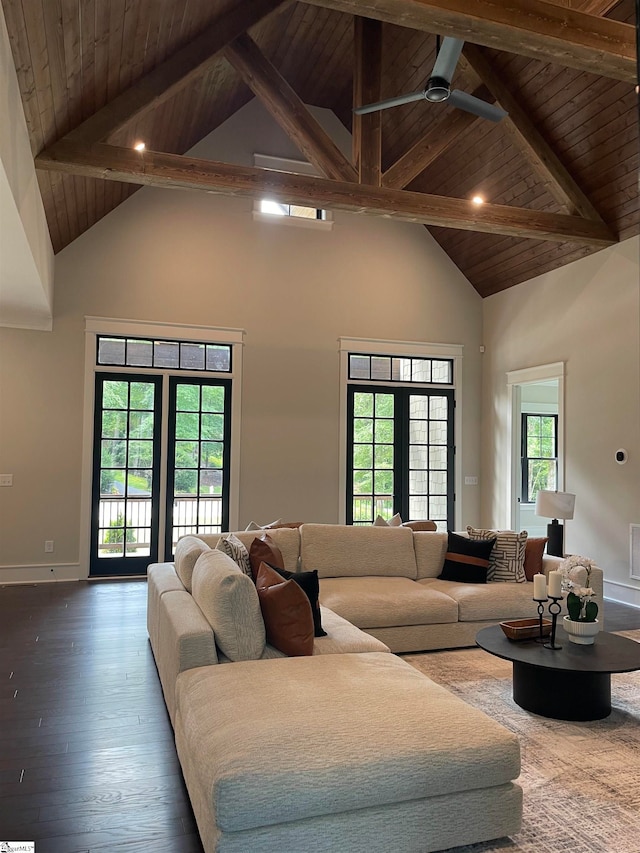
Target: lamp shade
555	504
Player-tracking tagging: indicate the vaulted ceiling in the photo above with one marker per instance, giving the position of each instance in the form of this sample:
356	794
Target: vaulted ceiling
559	174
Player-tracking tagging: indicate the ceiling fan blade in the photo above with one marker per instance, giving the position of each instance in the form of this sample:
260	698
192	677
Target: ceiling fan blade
390	102
447	58
471	104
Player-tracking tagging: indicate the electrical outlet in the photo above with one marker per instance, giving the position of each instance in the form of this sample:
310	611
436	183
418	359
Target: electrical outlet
6	479
48	546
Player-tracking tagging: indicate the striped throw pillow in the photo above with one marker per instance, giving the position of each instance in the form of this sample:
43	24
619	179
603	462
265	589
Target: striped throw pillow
234	548
507	557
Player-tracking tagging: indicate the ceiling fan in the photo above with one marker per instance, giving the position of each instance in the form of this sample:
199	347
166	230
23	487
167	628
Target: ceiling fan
438	88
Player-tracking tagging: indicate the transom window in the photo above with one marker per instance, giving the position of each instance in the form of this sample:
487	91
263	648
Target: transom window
386	368
172	355
279	209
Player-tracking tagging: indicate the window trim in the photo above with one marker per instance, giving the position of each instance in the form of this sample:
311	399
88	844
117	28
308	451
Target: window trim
149	329
416	349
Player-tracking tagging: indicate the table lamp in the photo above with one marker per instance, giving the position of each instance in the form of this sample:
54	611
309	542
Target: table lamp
555	505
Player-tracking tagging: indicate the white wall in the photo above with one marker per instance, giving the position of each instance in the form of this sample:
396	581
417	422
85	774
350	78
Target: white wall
586	314
190	257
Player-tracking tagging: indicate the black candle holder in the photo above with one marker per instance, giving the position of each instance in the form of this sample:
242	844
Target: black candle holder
554	610
541	603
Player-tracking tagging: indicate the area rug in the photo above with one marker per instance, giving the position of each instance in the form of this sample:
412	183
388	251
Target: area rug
581	781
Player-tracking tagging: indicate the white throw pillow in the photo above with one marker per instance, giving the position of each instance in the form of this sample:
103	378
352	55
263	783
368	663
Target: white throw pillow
506	562
396	521
253	526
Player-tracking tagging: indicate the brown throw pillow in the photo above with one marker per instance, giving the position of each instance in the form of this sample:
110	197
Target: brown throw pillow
533	556
264	550
420	525
286	611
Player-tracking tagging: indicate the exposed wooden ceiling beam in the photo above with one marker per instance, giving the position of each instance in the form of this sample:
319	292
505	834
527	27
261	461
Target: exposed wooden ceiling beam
590	7
530	141
430	146
532	28
171	170
167	79
367	80
288	110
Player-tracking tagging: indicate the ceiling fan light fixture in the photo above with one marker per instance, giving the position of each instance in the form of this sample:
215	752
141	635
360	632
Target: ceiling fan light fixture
438	89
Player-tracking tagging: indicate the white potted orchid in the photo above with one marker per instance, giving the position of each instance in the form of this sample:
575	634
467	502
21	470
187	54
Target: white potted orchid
581	623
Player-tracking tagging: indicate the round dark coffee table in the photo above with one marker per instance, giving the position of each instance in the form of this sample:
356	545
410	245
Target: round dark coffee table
571	683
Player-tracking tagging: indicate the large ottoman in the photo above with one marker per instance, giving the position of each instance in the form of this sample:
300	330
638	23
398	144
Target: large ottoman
354	752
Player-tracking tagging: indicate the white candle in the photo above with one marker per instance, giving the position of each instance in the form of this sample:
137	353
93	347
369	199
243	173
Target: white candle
539	587
555	584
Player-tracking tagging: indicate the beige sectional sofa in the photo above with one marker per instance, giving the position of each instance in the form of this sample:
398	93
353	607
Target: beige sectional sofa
350	748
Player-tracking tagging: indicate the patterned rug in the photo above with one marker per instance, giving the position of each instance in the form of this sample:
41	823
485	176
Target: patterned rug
581	781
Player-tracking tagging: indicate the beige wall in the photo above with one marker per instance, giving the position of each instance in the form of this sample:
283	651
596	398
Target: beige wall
196	258
586	315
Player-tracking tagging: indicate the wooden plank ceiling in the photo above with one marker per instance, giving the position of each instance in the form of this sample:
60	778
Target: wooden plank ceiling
560	174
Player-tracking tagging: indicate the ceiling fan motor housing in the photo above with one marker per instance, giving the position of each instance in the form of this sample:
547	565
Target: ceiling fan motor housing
438	89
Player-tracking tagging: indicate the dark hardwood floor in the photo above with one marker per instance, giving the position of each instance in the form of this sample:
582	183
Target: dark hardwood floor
87	758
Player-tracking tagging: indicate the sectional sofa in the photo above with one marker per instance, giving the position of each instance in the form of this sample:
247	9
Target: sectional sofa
349	748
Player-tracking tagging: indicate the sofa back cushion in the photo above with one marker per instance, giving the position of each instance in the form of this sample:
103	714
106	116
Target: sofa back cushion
188	549
286	538
229	602
430	550
337	550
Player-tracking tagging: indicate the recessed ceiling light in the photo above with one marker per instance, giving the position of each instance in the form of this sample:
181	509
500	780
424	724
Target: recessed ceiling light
477	200
139	146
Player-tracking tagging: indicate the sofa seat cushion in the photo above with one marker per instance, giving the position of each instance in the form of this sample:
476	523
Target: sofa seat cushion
356	738
386	602
338	551
479	602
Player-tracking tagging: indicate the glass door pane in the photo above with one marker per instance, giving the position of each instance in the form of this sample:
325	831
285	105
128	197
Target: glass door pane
430	491
372	456
199	449
125	474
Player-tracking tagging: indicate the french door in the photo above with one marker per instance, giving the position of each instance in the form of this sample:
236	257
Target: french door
161	466
400	454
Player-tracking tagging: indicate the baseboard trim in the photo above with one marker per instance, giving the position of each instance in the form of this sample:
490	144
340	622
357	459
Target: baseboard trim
41	573
623	593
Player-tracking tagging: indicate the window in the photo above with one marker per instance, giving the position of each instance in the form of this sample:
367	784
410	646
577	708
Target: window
274	210
164	442
399	436
400	455
177	355
539	454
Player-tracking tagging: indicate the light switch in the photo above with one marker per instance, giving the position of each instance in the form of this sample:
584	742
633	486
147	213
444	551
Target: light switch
471	481
6	479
